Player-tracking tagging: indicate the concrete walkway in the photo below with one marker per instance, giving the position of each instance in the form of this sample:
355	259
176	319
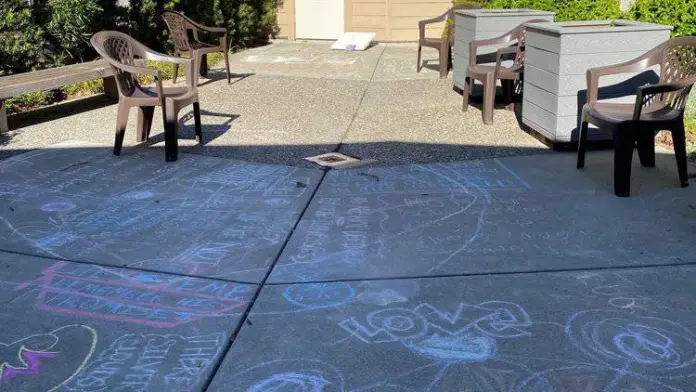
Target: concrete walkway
291	100
514	273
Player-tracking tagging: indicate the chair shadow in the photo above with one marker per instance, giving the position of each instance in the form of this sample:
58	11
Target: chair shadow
428	64
216	75
188	131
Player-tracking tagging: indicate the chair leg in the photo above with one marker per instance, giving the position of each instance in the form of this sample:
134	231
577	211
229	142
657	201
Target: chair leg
679	141
443	62
197	120
623	156
508	93
226	53
582	144
418	60
488	98
646	148
121	122
203	65
175	74
465	93
171	148
449	58
145	114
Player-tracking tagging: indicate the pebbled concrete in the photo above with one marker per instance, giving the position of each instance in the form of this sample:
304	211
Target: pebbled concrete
79	327
580	331
370	104
200	216
313	59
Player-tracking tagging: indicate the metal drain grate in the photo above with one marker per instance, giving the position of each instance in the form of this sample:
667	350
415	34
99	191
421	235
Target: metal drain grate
334	160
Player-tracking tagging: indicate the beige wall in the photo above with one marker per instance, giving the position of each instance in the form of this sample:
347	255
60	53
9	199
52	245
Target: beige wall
286	19
405	15
390	20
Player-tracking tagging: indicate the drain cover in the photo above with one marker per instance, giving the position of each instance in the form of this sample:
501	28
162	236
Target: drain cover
334	160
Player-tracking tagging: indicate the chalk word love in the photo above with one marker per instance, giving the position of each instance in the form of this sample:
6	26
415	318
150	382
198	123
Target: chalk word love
468	334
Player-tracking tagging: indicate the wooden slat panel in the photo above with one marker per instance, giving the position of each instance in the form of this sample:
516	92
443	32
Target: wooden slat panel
369	9
286	19
423	10
412	34
377	22
407	22
449	3
380	33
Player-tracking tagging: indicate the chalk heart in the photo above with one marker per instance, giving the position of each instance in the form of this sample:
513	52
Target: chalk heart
45	362
466	347
291	382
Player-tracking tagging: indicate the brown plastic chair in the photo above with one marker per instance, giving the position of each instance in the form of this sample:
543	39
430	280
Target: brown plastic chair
443	45
179	26
126	57
489	74
658	107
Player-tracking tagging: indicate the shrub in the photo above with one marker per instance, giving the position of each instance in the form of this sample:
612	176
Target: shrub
21	40
71	26
678	13
566	10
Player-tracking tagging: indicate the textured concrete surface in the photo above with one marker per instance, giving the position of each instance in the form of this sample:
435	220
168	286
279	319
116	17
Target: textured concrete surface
200	216
511	274
446	273
79	327
310	59
571	332
291	100
488	216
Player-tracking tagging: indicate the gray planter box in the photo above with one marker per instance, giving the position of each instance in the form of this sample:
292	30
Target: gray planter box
471	25
556	62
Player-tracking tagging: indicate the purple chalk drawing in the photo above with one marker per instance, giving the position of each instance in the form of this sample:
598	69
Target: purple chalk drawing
32	359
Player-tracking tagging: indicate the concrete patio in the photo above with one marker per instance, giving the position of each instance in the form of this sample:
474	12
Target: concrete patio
465	258
295	99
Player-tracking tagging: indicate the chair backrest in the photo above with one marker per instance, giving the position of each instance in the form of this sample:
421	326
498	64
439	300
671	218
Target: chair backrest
119	48
677	59
178	26
520	33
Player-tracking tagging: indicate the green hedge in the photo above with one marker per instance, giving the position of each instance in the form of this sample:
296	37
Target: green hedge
56	32
50	33
678	13
566	10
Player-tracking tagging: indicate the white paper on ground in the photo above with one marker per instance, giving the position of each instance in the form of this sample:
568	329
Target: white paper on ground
354	41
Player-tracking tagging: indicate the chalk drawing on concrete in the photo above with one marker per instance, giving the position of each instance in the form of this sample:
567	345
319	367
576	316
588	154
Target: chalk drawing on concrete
47	361
645	345
467	334
151	362
297	375
319	295
130	296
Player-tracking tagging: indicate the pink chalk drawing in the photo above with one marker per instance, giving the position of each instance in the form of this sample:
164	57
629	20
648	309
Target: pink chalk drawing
137	297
